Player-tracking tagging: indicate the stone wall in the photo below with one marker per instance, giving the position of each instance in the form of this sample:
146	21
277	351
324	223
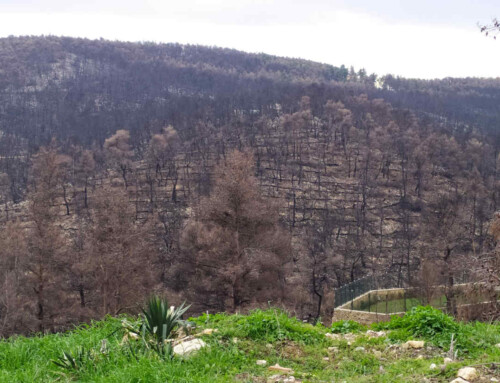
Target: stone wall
363	317
352	310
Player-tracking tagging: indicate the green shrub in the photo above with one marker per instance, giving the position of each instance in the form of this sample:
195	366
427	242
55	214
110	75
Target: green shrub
438	328
270	325
345	326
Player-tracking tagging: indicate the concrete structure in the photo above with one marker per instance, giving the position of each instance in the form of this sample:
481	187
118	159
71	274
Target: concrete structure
358	309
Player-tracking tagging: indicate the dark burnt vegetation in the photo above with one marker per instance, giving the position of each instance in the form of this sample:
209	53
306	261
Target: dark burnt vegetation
230	179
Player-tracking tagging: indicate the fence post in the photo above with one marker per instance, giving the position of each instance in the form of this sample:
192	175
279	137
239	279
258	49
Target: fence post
404	299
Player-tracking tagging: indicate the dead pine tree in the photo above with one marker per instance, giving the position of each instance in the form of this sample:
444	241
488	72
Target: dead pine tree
233	246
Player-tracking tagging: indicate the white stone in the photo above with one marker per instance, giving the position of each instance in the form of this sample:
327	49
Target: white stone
333	336
261	362
414	344
468	373
185	348
350	337
281	369
493	380
433	366
375	334
359	349
274	378
280	378
326	359
377	354
208	331
448	360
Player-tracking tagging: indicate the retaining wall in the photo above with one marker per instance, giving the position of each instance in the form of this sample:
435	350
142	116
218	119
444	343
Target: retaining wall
352	309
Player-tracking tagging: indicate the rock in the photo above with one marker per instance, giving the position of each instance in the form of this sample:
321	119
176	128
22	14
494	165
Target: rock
280	378
375	334
274	378
448	360
497	345
261	362
187	347
468	373
269	346
333	349
281	369
207	331
129	336
350	337
326	359
104	346
381	369
493	380
235	340
333	336
458	380
420	357
413	344
359	349
433	366
377	354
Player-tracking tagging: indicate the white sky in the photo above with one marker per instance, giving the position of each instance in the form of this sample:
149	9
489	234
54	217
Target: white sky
413	38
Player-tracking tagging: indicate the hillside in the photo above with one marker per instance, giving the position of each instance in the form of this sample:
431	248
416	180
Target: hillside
243	348
110	152
88	89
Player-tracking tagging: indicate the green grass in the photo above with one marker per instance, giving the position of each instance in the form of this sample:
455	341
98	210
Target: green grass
240	341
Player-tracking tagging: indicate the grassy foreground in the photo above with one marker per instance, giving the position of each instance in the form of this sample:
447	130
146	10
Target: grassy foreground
271	335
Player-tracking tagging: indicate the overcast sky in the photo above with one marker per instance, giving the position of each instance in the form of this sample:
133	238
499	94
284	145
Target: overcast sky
413	38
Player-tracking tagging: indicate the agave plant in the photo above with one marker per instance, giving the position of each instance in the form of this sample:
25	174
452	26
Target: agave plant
159	323
73	361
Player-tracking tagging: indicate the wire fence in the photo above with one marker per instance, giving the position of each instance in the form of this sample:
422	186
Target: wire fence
361	286
350	291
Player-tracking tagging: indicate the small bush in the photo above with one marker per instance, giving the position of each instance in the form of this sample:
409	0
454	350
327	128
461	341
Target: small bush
270	325
425	322
345	326
437	328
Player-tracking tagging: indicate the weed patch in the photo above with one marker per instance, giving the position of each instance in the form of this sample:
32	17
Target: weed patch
438	328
